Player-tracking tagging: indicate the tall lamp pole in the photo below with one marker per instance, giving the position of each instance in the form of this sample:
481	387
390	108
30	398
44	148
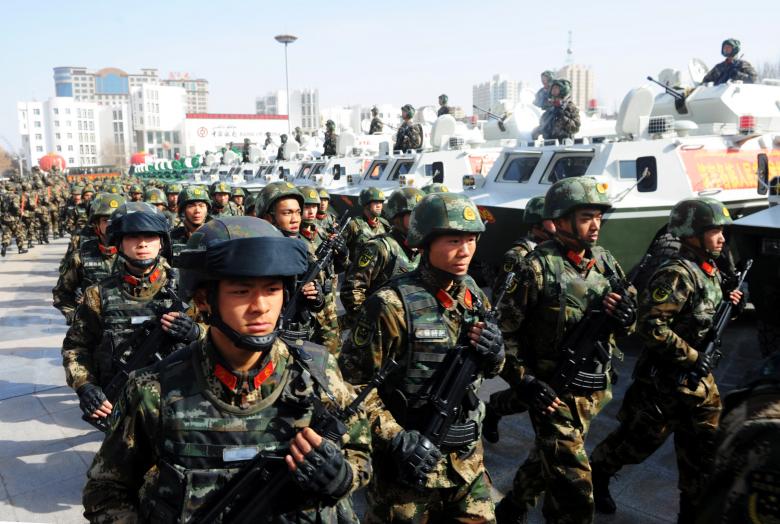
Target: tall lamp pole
286	39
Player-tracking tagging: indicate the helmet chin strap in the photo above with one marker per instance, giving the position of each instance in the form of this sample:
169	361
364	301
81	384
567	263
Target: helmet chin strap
140	263
255	344
581	243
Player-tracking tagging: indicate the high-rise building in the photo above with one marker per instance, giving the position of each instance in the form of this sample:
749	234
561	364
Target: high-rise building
581	78
303	111
487	94
111	85
83	133
158	119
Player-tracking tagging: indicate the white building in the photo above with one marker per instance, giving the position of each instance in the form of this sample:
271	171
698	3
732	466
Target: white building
159	113
303	111
197	91
210	132
83	133
581	78
498	89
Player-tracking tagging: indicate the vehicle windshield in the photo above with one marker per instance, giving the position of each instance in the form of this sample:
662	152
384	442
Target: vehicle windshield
375	169
401	168
519	169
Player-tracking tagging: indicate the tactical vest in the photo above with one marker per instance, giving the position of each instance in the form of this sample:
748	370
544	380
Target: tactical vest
564	299
204	441
121	315
366	232
430	340
95	265
398	262
178	239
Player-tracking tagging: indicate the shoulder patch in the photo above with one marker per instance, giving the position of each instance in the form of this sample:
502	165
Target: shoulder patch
366	256
363	332
661	293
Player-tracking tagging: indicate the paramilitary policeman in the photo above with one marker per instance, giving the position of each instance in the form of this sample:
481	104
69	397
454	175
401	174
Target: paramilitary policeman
675	312
156	197
418	319
221	204
194	205
162	459
172	195
90	262
384	256
732	68
444	109
409	135
559	283
506	402
13	208
141	288
542	97
562	119
376	125
237	197
369	223
325	214
329	143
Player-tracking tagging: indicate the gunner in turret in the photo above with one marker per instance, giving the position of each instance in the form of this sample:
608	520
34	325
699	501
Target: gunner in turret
444	109
562	118
732	68
542	97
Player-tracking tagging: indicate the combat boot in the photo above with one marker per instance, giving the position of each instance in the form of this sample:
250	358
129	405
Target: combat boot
3	250
490	425
30	243
601	497
22	251
507	512
45	239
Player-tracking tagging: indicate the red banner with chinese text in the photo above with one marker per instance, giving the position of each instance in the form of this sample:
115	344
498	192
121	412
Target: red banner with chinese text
708	169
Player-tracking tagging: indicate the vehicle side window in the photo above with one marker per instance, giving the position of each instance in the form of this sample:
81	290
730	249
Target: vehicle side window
375	171
402	168
627	169
317	169
568	167
519	169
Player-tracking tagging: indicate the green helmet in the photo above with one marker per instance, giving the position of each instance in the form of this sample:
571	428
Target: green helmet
173	188
230	247
375	110
371	194
330	124
549	75
402	200
155	196
324	195
273	192
238	191
693	216
570	193
115	189
191	194
249	203
436	187
310	195
534	211
89	188
443	213
407	111
443	99
564	87
75	190
104	204
735	47
136	188
26	186
220	187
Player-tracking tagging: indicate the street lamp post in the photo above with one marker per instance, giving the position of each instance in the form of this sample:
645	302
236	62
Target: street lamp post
286	39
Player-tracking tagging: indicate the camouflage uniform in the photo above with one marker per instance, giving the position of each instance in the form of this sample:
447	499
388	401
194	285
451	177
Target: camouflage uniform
555	288
409	136
731	71
329	144
675	313
376	125
361	228
30	204
558	123
744	482
415	322
542	98
444	109
12	221
180	234
230	209
42	213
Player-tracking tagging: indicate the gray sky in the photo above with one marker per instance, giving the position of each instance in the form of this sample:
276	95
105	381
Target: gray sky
369	52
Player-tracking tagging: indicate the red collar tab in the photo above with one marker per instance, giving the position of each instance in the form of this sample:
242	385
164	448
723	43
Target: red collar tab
308	232
230	380
708	268
320	216
444	299
468	299
135	281
576	259
372	221
107	250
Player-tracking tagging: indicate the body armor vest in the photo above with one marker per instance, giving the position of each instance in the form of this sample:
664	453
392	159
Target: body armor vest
96	266
398	262
366	232
430	340
121	315
204	441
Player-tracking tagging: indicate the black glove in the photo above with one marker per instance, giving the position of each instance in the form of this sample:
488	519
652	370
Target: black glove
624	313
318	302
91	397
415	455
538	394
184	329
339	245
324	471
490	346
703	365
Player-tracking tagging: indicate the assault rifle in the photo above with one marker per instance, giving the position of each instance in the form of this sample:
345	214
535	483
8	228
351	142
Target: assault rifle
448	394
712	341
679	98
589	338
254	491
149	343
324	255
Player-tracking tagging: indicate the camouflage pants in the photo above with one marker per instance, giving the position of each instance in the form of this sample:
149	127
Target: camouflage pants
560	442
12	227
43	219
30	226
327	330
54	220
647	417
389	501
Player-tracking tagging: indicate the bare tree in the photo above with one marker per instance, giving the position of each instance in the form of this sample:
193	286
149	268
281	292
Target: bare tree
769	70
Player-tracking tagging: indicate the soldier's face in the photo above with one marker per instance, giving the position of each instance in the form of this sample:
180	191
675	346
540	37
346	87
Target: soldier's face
287	215
135	197
453	253
161	207
545	82
102	226
586	225
310	211
239	200
142	246
173	199
251	306
712	241
727	50
221	199
196	213
324	203
375	208
77	199
87	197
